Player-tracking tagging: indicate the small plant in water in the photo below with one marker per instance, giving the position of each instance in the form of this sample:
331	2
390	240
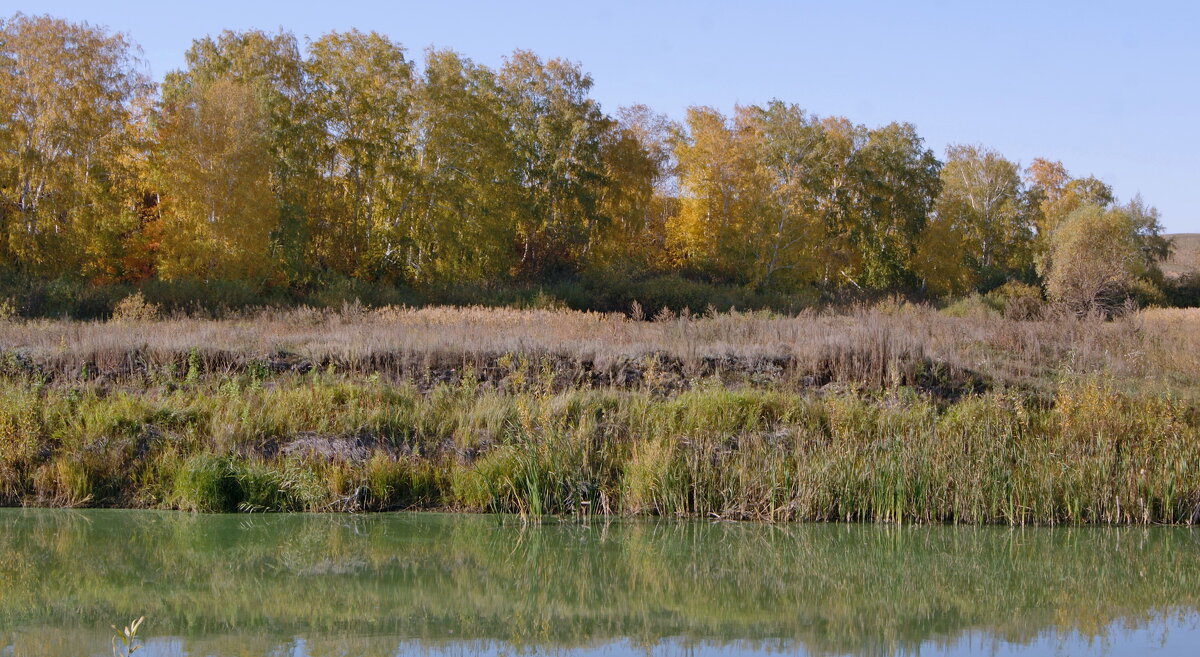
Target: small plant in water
125	641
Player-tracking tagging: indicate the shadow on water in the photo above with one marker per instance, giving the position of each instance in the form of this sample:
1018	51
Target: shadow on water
448	584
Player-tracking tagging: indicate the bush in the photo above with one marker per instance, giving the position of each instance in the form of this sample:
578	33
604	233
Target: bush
1183	291
1093	260
543	301
676	293
338	292
60	297
1145	294
135	308
973	305
1017	300
213	296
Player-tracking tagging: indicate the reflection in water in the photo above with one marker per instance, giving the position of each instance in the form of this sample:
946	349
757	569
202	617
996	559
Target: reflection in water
446	584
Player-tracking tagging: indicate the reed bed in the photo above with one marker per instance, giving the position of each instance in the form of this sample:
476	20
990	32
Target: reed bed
322	442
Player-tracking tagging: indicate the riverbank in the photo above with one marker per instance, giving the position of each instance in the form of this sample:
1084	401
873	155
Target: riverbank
886	414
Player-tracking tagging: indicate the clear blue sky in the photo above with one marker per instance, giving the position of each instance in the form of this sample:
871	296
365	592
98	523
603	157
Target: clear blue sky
1110	88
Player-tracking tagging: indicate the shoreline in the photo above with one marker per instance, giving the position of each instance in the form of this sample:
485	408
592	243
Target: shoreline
893	415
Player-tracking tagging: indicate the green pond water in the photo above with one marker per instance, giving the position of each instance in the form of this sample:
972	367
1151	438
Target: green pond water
434	584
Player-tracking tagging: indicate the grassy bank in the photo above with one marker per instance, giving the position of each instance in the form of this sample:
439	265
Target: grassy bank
889	414
1093	455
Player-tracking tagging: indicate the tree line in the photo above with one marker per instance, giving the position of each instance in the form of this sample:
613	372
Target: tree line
279	164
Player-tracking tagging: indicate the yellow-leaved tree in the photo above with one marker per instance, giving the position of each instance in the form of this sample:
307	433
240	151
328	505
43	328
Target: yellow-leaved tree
723	196
69	94
637	160
1093	259
361	86
984	204
1054	196
214	169
459	221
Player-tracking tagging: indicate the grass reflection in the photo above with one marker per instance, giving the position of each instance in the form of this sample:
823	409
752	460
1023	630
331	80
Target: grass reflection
230	584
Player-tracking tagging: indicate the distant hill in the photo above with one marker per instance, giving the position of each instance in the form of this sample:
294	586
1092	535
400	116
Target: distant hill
1185	257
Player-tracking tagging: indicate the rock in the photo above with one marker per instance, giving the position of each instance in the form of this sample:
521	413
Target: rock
330	448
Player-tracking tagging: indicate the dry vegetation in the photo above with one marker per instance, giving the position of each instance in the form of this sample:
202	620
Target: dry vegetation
873	345
886	413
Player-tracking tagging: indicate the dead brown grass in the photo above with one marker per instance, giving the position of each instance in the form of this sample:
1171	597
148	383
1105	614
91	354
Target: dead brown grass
881	344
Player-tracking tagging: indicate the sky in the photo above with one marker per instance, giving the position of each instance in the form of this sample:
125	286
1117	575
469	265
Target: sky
1109	88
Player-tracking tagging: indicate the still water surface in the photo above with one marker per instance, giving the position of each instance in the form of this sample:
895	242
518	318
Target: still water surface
432	584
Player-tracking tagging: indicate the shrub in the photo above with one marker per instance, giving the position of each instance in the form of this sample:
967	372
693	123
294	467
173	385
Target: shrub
542	300
135	308
1145	294
973	305
1093	260
212	296
1017	300
338	292
1183	291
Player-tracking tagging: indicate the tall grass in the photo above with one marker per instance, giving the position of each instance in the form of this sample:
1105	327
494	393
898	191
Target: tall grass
1092	452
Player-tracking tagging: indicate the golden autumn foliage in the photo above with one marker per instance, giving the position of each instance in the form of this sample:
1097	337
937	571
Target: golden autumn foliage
69	98
214	169
1093	259
285	166
722	195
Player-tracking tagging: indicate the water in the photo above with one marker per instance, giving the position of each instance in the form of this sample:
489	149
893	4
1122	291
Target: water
391	584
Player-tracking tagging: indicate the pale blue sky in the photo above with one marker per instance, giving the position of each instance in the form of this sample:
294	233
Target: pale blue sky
1109	88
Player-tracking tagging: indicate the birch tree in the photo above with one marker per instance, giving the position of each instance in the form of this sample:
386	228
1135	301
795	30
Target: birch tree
69	99
984	199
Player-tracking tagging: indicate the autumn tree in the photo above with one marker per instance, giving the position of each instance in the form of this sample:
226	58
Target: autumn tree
462	213
271	69
1057	194
1093	259
214	164
557	132
899	179
655	133
838	206
777	197
723	196
361	88
70	95
789	145
984	200
1153	247
637	196
940	262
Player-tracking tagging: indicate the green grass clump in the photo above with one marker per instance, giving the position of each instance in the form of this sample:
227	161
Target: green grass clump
206	482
